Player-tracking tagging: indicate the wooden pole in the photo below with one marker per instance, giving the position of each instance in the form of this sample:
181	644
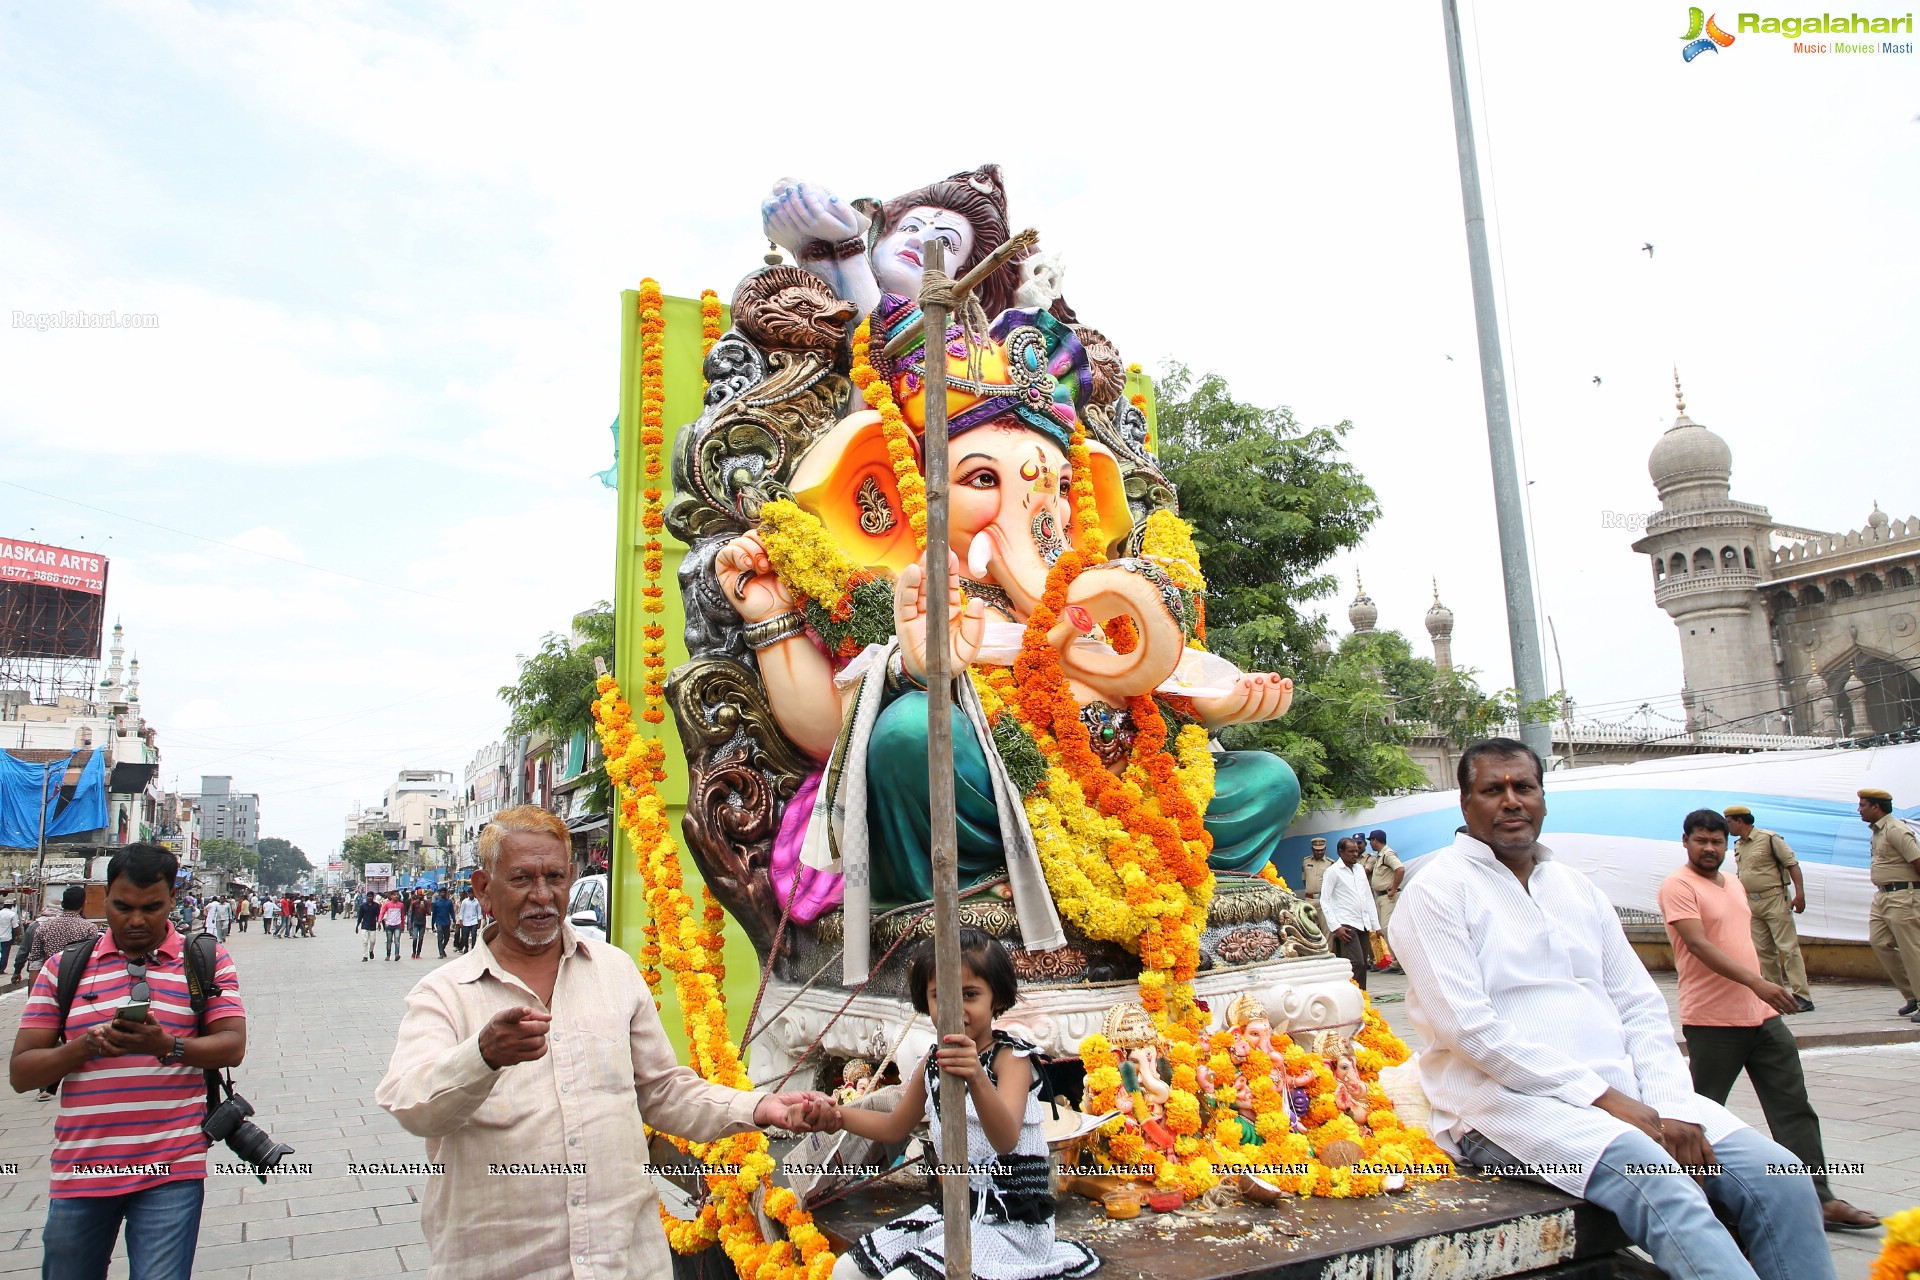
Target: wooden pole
965	285
954	1201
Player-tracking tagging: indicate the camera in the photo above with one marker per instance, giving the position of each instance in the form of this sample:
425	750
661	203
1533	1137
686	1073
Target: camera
228	1123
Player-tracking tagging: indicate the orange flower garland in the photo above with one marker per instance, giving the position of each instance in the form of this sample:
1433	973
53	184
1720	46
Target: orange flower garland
688	949
894	429
709	320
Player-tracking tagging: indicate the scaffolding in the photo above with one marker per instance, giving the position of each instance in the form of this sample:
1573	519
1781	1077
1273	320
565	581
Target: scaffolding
49	643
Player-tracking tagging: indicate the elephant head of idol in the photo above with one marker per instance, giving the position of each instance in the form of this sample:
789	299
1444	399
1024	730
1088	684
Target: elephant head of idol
1012	402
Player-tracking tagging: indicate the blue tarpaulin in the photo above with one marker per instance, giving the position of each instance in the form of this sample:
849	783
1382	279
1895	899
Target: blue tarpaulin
84	810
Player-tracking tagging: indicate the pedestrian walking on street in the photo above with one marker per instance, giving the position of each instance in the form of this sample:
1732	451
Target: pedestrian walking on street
1770	874
473	1074
134	1097
219	915
1730	1011
9	924
417	913
61	930
442	919
1346	904
393	914
469	918
366	919
1893	922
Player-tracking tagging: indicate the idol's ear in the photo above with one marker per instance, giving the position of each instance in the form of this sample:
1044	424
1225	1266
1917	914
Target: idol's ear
1110	497
847	480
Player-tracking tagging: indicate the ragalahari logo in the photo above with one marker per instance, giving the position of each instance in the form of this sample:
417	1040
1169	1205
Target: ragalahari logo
1714	39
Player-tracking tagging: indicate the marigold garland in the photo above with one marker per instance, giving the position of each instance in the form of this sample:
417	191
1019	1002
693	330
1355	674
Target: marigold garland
1900	1257
688	949
894	430
709	320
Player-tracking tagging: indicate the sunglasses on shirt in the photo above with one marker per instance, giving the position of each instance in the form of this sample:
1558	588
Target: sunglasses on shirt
138	1007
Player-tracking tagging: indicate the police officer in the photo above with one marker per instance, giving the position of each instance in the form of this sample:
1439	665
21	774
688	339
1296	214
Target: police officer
1313	868
1893	923
1384	872
1775	894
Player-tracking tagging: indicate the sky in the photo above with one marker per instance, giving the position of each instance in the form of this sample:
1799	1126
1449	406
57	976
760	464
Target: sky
346	477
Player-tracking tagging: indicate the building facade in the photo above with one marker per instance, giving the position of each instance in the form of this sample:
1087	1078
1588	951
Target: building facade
226	814
1783	630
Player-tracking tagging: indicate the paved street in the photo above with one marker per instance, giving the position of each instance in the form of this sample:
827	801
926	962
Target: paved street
320	1027
322	1024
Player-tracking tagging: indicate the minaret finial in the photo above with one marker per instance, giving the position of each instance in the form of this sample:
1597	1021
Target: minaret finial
1436	588
1679	396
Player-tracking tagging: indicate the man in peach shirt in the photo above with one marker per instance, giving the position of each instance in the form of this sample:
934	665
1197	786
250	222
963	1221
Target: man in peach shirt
529	1065
1730	1013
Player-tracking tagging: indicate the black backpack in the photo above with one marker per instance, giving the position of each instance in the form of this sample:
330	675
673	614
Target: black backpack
201	988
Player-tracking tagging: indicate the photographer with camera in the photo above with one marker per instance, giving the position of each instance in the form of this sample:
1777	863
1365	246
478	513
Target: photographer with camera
140	1032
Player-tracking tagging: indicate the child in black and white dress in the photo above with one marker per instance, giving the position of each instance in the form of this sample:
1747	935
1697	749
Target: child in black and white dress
1007	1160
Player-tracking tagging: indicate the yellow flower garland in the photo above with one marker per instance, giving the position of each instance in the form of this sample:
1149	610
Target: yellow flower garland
1900	1257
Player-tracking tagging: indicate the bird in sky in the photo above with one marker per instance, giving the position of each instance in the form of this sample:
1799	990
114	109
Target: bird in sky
1596	379
1648	246
1449	357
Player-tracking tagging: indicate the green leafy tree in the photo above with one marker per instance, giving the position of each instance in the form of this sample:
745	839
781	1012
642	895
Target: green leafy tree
224	854
367	847
1272	502
282	862
555	692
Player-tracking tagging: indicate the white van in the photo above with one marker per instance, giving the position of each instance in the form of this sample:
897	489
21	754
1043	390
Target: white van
587	908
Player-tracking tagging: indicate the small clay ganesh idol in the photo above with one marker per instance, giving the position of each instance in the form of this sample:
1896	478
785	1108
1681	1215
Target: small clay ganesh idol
1144	1077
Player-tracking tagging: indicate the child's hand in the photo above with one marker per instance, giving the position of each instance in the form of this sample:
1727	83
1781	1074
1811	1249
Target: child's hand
958	1055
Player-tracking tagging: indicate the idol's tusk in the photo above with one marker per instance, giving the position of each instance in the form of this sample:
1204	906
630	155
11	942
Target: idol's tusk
979	557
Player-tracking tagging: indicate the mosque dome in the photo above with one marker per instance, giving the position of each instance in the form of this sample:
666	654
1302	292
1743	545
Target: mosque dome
1362	613
1878	520
1689	455
1439	617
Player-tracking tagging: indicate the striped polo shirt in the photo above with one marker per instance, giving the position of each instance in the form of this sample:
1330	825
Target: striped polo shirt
128	1124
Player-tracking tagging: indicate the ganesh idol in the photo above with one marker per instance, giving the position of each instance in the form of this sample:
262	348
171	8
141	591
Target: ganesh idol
1017	395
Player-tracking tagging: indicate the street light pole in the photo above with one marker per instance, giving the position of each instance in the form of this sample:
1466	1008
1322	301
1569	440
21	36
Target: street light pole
40	866
1523	630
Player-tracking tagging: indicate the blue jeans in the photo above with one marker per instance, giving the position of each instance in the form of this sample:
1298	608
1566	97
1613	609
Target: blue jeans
163	1226
1672	1217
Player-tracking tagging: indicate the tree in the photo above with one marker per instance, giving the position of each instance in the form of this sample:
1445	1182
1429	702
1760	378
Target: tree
367	847
1271	502
282	862
223	854
555	692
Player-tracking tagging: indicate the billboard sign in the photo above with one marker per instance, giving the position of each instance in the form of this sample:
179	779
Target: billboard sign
40	565
378	871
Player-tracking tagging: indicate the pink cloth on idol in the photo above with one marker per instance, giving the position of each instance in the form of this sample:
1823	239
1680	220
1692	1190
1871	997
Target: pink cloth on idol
819	891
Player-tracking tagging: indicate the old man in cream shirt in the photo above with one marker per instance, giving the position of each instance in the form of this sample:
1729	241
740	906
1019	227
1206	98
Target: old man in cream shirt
529	1065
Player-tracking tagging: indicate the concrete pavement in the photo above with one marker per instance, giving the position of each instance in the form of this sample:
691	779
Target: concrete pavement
321	1024
320	1027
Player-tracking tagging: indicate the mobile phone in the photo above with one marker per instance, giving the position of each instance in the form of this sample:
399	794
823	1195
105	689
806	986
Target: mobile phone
132	1011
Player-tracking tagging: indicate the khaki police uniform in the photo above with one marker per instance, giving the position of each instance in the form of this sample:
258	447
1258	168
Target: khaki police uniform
1893	923
1380	869
1313	869
1762	858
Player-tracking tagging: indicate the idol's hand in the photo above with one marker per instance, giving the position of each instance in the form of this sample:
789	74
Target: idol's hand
748	581
966	627
796	212
1255	696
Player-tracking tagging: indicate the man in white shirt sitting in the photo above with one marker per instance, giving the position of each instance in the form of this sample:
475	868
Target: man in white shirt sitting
1346	904
1549	1053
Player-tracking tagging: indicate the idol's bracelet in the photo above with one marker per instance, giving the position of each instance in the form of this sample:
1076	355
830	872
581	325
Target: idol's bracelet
823	251
899	679
771	631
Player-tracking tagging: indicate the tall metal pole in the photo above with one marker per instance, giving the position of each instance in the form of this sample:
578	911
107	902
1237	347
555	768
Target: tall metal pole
954	1205
1523	631
40	867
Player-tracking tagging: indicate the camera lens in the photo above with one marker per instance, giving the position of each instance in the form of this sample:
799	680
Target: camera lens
256	1146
